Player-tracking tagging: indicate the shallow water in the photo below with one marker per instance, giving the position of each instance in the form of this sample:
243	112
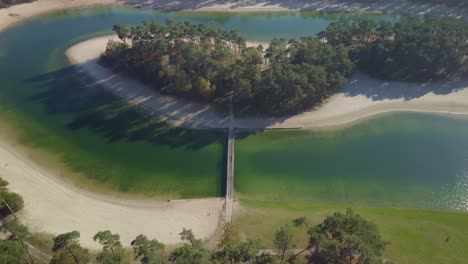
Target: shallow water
399	160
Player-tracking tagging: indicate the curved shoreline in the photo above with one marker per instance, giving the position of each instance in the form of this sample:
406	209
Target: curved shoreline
363	97
55	206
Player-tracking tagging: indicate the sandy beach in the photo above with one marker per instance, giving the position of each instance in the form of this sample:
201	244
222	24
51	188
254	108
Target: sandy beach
55	206
361	98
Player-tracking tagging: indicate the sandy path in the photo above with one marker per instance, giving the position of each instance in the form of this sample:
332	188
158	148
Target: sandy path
362	97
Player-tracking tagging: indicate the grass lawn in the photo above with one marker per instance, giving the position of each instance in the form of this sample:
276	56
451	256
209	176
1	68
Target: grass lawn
416	236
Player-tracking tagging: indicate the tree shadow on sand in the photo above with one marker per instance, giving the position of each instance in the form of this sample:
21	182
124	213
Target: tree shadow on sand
90	107
378	90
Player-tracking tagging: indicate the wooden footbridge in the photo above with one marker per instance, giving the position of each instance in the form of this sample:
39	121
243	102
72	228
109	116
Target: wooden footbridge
229	199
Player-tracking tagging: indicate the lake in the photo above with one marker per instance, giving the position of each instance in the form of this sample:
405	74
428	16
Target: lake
403	160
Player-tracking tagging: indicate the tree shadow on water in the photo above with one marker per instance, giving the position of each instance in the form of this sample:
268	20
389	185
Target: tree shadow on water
67	92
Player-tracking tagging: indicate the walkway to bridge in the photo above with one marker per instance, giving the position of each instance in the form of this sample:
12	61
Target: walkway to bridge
229	200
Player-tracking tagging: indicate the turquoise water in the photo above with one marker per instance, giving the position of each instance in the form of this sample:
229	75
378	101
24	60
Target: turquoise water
108	143
400	160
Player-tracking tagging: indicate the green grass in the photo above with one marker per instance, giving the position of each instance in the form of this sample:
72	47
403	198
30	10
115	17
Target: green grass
416	236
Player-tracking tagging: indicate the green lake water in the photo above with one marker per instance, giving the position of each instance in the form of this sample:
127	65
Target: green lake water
400	160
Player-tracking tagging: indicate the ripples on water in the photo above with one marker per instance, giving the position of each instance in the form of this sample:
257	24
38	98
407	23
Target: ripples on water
456	196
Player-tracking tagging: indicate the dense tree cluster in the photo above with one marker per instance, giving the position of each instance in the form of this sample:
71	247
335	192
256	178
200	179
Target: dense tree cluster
210	64
301	74
7	3
414	49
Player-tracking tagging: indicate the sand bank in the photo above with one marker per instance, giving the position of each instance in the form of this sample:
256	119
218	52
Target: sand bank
54	206
17	13
14	14
362	97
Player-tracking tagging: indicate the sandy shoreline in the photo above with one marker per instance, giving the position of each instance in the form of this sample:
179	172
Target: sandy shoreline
54	206
361	98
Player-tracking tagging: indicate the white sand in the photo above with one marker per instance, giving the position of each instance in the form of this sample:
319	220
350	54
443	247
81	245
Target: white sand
361	98
171	109
168	108
25	11
53	206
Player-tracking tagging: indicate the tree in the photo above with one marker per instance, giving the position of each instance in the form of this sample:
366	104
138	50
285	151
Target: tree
191	253
15	230
417	49
265	259
233	253
338	34
14	200
148	251
122	32
112	250
12	252
345	238
188	254
187	235
283	241
3	186
67	248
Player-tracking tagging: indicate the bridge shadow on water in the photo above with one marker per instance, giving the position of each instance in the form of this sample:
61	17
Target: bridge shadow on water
86	106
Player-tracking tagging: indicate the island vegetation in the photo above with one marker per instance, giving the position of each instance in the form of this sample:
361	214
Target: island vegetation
212	65
414	49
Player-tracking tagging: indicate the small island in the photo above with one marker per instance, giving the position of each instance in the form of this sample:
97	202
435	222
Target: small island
209	64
